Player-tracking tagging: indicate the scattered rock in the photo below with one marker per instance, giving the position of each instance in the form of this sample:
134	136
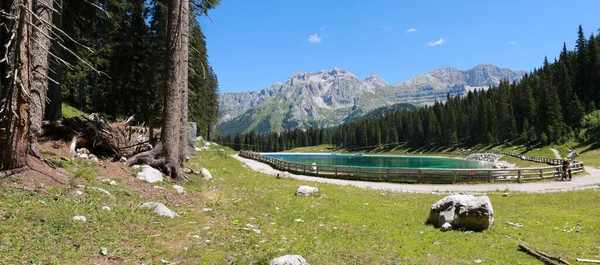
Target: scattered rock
446	227
82	156
207	209
78	192
80	218
179	189
94	159
207	144
283	175
113	183
298	220
123	159
94	188
106	208
516	225
83	151
289	260
150	174
484	157
159	209
462	211
136	166
306	191
505	194
103	251
206	174
199	138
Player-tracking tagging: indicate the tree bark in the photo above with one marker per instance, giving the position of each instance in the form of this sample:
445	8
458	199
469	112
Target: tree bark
183	133
14	108
40	44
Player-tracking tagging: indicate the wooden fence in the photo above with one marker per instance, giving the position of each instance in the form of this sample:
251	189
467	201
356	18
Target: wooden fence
414	175
540	159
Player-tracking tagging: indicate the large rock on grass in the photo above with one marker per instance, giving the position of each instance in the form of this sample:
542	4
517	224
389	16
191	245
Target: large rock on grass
306	191
150	174
206	174
159	209
462	212
289	260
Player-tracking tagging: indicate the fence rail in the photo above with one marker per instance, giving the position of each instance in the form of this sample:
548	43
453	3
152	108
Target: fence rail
540	159
414	175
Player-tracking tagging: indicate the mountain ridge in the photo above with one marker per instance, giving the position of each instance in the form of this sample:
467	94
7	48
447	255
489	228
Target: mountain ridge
329	97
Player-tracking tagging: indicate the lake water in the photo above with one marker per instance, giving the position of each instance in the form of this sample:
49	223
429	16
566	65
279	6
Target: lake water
380	161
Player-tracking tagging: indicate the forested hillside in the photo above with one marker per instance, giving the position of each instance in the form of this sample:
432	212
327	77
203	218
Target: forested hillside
551	104
127	46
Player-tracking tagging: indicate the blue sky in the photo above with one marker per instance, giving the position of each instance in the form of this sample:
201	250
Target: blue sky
253	44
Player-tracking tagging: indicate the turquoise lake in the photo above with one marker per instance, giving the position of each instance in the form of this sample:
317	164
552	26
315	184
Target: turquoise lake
380	161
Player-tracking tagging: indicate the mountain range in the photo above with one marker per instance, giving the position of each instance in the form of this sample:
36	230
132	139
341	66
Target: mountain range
331	97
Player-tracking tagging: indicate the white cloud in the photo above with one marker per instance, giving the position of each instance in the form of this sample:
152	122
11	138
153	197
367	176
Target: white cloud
411	30
314	38
436	43
512	42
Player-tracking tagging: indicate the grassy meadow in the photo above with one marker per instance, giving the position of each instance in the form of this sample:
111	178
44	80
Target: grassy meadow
246	217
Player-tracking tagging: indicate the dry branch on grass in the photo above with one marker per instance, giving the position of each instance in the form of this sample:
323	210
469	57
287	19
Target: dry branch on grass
547	259
119	138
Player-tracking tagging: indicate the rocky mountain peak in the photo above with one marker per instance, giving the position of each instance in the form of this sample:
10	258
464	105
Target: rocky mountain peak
328	97
375	80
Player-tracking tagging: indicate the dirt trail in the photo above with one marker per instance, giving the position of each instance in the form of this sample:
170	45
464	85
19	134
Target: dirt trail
579	182
556	153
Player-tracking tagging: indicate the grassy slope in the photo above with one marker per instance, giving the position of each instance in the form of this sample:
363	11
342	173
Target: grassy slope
68	111
343	225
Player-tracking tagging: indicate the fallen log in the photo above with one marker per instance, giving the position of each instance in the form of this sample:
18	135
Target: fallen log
537	255
119	138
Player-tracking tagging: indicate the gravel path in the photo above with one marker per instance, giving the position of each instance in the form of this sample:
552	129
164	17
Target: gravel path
556	153
579	182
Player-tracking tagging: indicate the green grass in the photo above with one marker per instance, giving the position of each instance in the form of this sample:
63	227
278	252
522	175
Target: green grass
69	111
343	225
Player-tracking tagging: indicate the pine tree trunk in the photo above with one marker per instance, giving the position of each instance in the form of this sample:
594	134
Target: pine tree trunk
176	65
183	133
166	154
40	44
14	108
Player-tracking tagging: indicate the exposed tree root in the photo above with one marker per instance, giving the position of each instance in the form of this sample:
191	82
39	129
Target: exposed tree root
156	159
8	173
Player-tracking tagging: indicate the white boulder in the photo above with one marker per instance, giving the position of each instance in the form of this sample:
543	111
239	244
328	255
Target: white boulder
150	174
206	174
289	260
179	189
306	191
80	218
462	211
283	175
159	209
446	227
